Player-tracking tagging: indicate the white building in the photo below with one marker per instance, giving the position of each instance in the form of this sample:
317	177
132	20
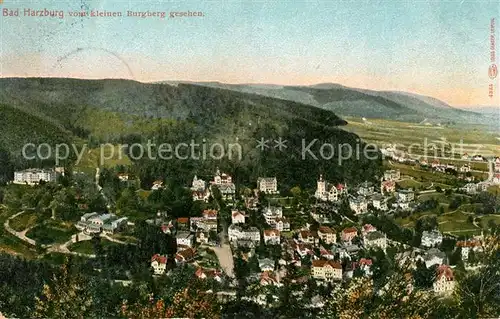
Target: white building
236	233
198	184
375	239
392	175
379	202
434	257
268	185
358	205
329	192
271	213
34	176
431	238
327	270
159	264
406	195
184	238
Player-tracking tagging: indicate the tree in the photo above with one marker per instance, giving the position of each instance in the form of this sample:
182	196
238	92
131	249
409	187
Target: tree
66	296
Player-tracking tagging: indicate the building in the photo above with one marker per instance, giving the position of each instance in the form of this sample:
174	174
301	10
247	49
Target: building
308	237
236	232
375	239
327	235
349	233
271	236
198	184
282	224
434	257
157	185
185	255
431	238
200	190
465	168
405	195
214	274
358	205
268	185
327	270
379	202
329	192
469	188
184	238
224	183
445	281
271	213
392	175
202	237
237	217
93	223
366	189
159	264
388	187
467	246
33	176
266	264
368	228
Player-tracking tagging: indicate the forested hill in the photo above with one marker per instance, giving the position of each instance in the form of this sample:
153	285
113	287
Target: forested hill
122	110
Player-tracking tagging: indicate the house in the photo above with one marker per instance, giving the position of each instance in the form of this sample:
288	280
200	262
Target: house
405	195
309	237
327	270
201	195
183	222
271	236
268	185
467	246
202	237
185	255
271	213
465	168
123	177
435	163
33	176
388	187
237	217
327	235
159	264
478	158
210	214
358	205
184	238
368	228
236	233
392	175
198	184
114	225
227	191
326	254
434	257
282	224
266	264
465	156
366	189
349	233
209	273
379	202
157	185
365	265
222	178
431	238
444	283
469	188
375	239
329	192
268	278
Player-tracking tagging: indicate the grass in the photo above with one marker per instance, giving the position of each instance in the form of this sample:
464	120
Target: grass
112	156
483	220
51	232
27	220
387	132
86	247
11	244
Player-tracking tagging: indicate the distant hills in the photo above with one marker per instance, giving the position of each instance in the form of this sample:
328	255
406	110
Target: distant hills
122	111
345	101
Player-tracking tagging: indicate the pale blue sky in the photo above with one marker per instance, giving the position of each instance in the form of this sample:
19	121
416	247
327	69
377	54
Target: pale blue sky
437	48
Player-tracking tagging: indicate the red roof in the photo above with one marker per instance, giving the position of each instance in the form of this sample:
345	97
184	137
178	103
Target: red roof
210	213
340	186
446	271
323	263
468	243
237	213
160	259
183	220
326	230
269	232
369	227
350	230
365	261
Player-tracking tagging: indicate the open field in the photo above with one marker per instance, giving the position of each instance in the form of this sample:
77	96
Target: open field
91	158
87	247
51	232
11	244
27	220
472	140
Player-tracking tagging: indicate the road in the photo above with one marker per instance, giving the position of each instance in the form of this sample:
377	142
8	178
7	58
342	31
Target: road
21	235
225	256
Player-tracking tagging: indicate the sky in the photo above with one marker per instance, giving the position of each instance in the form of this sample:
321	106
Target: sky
436	48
